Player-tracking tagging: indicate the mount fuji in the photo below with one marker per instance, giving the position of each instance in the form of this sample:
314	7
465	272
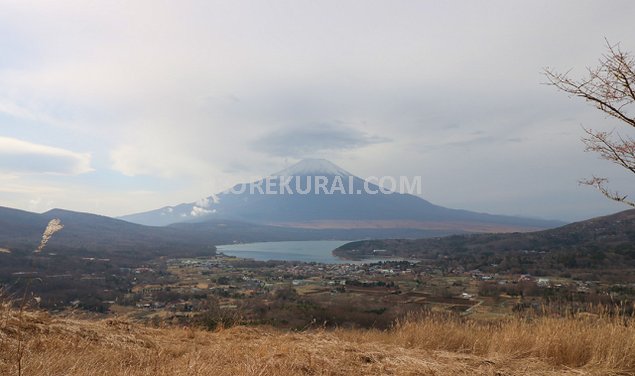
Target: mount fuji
296	199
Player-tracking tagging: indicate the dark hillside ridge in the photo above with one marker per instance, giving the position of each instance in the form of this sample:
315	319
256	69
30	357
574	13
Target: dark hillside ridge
602	242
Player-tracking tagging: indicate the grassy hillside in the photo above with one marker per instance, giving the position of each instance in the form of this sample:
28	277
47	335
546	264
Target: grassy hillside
34	343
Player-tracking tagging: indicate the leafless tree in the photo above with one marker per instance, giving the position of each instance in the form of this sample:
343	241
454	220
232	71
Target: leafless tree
610	87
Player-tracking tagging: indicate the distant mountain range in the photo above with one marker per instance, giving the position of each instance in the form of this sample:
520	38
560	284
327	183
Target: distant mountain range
244	214
357	205
599	242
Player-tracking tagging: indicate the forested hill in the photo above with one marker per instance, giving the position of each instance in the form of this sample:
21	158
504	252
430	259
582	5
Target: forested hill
601	241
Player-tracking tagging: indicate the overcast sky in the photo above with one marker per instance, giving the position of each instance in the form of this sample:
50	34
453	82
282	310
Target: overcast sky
115	107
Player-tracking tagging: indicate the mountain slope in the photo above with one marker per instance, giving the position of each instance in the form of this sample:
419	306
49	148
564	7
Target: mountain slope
221	231
95	234
594	240
344	201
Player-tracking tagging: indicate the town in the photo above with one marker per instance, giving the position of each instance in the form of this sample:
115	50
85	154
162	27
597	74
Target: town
228	290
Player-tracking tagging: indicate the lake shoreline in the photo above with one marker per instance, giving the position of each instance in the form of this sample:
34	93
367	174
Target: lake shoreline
318	251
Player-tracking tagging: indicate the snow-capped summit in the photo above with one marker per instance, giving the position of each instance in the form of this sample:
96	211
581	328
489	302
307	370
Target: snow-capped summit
313	167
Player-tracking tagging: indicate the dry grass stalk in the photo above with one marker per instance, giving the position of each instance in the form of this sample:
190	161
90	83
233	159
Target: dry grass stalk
53	226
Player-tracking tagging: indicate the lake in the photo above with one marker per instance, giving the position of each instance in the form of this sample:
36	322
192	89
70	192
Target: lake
306	251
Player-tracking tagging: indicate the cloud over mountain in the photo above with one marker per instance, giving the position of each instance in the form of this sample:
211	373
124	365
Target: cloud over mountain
314	139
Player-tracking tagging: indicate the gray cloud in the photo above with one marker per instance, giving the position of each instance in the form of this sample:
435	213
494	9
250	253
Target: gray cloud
199	98
313	140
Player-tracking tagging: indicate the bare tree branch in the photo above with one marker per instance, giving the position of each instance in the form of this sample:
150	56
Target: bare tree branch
620	152
611	88
600	183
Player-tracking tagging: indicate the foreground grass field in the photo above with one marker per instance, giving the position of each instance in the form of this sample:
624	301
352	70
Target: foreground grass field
34	343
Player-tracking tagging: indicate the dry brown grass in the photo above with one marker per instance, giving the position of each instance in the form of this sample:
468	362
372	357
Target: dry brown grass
594	344
423	346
